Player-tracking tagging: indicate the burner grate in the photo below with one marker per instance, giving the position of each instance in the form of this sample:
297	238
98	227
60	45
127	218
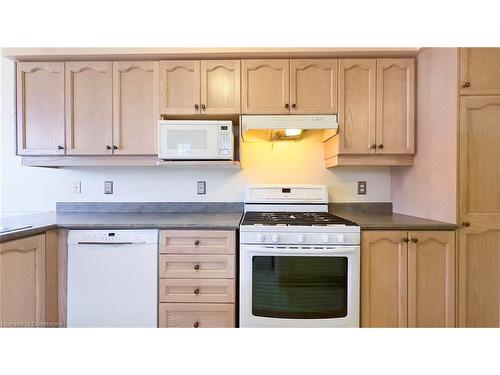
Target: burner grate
293	218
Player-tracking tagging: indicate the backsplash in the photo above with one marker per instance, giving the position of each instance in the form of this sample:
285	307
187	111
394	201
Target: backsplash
28	189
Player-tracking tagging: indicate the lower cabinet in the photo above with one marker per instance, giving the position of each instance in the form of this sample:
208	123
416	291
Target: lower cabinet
28	281
197	279
408	279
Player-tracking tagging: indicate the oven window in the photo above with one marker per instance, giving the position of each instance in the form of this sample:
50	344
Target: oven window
299	287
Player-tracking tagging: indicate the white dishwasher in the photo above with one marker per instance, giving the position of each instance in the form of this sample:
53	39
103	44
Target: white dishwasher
112	278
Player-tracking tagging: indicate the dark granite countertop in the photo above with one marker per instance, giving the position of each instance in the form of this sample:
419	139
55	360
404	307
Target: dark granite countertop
39	223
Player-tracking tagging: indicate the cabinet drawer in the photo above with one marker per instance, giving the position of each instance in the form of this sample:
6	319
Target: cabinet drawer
197	242
197	290
196	315
197	266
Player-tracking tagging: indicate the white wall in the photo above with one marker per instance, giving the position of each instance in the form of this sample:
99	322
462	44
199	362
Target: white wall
34	189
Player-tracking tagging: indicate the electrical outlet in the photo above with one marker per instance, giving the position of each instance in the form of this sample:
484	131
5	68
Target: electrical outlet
77	187
108	187
201	187
361	187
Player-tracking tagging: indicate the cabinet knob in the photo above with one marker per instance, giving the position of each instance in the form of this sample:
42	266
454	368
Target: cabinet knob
466	224
203	106
196	324
196	267
196	107
108	147
294	105
465	85
60	147
196	242
115	147
406	239
196	291
373	146
414	240
380	146
287	106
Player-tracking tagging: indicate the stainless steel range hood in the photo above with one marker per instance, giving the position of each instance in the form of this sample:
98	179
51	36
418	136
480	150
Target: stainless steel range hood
285	127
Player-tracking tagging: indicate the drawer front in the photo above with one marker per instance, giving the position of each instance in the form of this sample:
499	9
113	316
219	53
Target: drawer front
196	315
197	242
197	266
197	290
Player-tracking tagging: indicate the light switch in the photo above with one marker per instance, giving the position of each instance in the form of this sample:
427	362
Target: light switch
201	187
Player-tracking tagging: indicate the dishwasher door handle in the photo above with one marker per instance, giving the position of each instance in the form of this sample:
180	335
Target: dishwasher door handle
109	243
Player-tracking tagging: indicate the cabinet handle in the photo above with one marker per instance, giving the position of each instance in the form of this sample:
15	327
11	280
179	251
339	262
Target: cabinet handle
373	146
196	291
203	107
60	147
108	147
380	146
294	105
406	240
196	267
115	147
196	243
465	85
414	240
466	224
196	107
196	324
287	106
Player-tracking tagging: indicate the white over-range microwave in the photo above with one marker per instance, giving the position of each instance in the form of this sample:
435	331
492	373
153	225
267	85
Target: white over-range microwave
195	140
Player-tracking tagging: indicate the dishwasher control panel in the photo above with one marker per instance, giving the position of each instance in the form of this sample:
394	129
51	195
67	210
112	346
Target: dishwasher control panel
112	236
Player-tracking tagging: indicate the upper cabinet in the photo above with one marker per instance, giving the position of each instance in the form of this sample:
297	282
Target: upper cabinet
313	86
200	87
357	98
480	71
265	86
40	108
135	107
89	108
395	106
220	86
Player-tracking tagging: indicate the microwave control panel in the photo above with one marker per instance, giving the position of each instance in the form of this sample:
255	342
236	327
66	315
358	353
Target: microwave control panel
225	140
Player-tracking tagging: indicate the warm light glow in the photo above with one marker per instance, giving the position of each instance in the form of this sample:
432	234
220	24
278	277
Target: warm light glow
293	132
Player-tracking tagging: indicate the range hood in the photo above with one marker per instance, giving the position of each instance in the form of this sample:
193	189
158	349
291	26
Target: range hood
286	127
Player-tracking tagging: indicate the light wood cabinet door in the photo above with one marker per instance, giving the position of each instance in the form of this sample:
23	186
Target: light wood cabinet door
431	279
313	86
89	108
22	281
480	71
220	86
357	98
479	212
384	279
180	87
197	242
136	107
40	108
395	119
199	315
265	86
197	266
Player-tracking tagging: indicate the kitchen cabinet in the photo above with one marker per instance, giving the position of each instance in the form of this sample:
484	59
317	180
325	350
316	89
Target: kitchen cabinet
313	86
197	278
22	283
265	86
220	86
89	111
408	279
480	71
479	212
40	108
135	107
357	98
180	87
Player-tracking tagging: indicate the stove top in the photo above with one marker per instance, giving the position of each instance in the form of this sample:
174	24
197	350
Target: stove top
294	219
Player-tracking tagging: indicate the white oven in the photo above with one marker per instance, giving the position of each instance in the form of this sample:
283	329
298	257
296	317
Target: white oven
299	286
195	140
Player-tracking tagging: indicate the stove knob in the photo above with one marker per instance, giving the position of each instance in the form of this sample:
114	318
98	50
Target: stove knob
300	238
274	238
325	238
341	238
260	237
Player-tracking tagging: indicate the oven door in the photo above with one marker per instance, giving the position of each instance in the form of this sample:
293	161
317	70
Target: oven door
299	287
188	140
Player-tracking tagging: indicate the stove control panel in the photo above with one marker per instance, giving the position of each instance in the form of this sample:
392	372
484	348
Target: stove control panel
351	238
